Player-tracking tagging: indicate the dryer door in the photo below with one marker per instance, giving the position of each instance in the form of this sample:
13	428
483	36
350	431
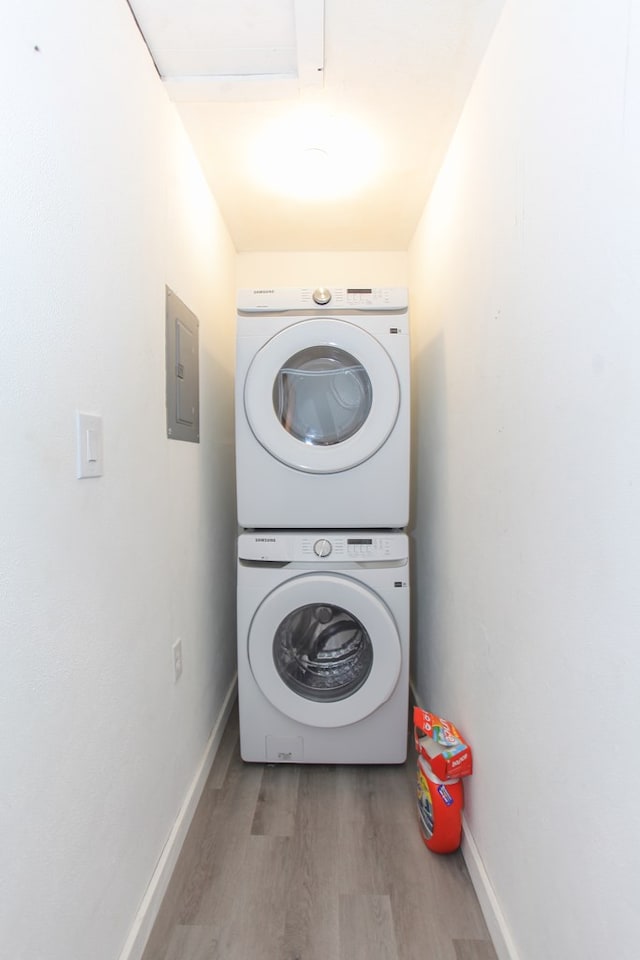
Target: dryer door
324	650
322	395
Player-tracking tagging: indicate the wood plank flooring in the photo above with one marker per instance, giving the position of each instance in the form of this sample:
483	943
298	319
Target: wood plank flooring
314	863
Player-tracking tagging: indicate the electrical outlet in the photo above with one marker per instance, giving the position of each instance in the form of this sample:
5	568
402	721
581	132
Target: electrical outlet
177	660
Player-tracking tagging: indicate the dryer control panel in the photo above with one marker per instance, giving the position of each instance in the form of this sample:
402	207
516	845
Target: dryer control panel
322	299
314	546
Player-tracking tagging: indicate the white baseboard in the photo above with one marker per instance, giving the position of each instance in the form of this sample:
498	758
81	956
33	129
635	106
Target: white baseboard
487	899
148	911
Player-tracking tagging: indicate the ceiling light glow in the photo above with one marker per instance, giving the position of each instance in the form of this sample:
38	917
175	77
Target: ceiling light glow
315	155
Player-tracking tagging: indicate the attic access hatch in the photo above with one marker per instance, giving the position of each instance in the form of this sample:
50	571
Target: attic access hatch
234	49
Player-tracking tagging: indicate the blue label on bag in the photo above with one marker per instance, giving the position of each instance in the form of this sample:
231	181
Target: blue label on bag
444	793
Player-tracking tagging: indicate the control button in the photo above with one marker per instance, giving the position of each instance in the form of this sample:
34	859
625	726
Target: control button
322	548
322	295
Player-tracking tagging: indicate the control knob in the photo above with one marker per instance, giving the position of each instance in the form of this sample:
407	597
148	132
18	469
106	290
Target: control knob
322	548
322	295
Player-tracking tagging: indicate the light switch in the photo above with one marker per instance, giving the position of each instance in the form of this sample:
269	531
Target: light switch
90	460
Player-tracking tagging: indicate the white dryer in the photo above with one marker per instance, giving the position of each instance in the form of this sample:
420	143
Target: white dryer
322	408
323	646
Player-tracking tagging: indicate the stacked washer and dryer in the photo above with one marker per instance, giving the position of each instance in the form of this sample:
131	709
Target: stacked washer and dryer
322	472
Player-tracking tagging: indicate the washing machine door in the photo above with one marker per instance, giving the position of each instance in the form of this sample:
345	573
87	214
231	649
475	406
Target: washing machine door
324	649
322	395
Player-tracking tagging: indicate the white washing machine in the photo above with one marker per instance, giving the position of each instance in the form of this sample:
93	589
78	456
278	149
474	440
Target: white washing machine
322	408
323	646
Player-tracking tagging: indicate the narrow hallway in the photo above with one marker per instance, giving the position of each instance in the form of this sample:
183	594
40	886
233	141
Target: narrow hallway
517	235
314	862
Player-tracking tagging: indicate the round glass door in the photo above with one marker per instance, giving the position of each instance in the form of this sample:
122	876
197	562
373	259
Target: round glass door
322	652
324	649
322	395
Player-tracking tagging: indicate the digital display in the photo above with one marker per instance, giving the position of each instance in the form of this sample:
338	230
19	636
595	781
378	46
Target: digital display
362	540
354	290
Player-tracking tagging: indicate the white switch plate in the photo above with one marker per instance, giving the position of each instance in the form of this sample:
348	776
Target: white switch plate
90	459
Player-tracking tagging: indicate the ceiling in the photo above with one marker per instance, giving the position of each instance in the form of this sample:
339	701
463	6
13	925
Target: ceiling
319	124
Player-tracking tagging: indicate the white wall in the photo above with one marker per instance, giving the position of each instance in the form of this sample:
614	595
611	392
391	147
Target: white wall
324	268
526	299
102	204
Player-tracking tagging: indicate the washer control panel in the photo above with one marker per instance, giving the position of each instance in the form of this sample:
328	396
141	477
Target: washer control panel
284	546
351	546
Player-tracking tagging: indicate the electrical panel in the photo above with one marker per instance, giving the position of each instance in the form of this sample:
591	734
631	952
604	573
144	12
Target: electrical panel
183	393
